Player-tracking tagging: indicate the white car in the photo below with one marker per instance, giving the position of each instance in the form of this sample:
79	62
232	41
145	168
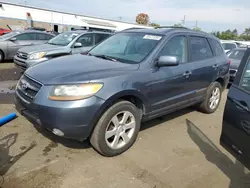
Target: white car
228	46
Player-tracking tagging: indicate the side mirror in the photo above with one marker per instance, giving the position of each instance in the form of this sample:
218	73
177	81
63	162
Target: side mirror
13	39
77	45
168	61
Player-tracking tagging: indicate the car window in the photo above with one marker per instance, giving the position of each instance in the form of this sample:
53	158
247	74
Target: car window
86	40
228	46
199	49
245	78
127	47
218	50
26	36
100	37
236	54
41	36
177	46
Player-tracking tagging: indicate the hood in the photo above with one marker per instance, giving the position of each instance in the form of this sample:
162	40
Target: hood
40	48
235	63
77	69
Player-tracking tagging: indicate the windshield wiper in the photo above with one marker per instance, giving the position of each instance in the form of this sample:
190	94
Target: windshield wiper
104	57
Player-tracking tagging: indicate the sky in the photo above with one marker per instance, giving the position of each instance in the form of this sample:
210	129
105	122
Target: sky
211	15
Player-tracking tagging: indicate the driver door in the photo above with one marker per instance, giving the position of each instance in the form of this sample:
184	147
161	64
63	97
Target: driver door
86	41
22	40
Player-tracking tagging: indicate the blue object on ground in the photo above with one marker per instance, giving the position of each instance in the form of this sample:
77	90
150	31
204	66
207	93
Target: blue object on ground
7	118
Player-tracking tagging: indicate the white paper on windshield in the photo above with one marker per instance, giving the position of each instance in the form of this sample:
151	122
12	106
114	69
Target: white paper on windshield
152	37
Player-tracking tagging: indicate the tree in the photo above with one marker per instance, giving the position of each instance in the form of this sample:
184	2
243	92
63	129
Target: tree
142	19
154	25
235	32
178	25
197	28
247	32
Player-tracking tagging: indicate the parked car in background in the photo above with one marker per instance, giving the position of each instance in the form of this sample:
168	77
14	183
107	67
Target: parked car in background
134	75
227	46
4	31
36	28
11	42
66	43
235	136
235	57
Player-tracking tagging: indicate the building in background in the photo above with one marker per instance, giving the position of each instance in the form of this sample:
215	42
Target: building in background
20	17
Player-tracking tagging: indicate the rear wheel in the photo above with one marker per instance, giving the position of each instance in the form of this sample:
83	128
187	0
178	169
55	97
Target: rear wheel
117	129
1	56
213	98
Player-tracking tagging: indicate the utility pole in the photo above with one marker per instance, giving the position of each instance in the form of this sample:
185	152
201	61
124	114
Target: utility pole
184	20
196	24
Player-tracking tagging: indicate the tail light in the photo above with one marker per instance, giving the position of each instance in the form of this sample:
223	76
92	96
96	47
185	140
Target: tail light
229	61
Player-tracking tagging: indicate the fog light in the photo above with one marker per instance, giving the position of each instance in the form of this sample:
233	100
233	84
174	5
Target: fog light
58	132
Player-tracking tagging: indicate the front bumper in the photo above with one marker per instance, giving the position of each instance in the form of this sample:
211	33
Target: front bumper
26	63
76	119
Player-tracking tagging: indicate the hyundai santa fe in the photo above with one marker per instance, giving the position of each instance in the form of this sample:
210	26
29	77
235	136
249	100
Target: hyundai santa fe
133	76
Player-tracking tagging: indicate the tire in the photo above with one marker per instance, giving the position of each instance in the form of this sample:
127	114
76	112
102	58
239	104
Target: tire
1	56
108	145
206	105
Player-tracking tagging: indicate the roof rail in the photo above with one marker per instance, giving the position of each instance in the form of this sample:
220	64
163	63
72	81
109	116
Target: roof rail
171	27
133	28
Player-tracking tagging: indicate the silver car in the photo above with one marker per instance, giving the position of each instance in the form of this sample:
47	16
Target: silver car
71	42
11	42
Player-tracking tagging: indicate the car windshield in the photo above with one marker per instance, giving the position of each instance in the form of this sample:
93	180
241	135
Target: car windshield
127	47
228	46
9	35
63	39
236	54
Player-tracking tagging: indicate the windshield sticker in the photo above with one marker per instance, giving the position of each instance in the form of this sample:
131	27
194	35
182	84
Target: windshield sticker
152	37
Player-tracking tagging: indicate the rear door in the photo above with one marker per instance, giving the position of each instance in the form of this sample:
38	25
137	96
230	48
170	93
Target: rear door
204	64
22	40
235	136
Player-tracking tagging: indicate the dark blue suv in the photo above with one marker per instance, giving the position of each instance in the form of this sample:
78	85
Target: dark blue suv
134	75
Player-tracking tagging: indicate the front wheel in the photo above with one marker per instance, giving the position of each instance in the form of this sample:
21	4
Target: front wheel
213	98
117	129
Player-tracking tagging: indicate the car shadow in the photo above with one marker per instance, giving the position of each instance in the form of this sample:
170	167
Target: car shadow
69	143
235	171
7	160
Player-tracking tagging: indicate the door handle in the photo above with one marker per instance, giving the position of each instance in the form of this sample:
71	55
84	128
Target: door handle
187	74
215	66
241	104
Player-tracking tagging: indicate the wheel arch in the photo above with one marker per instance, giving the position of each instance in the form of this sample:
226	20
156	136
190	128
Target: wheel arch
135	97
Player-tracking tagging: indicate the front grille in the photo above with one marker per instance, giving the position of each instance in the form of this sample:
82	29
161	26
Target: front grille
232	71
27	88
22	55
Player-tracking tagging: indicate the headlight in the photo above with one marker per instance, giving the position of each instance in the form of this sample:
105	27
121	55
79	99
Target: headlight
74	92
37	55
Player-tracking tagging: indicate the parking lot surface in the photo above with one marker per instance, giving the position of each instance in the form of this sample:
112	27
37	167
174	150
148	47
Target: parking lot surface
178	150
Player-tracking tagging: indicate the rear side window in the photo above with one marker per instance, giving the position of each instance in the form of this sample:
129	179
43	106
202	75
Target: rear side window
26	36
100	37
218	50
41	36
199	49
